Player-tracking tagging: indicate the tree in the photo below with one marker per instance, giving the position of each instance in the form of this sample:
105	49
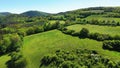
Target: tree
55	25
112	45
16	42
68	64
84	33
17	61
30	31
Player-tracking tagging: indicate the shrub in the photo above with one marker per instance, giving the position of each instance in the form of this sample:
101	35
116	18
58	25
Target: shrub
17	61
38	29
112	45
69	32
30	31
22	33
75	34
100	37
10	42
84	33
78	58
116	37
46	60
16	42
68	64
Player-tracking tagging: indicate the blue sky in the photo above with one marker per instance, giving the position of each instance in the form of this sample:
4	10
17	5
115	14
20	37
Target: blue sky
52	6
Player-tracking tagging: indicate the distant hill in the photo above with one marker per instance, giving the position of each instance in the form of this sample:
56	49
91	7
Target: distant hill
35	13
5	13
85	12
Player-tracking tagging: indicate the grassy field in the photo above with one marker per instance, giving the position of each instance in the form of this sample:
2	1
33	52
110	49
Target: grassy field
53	21
3	60
38	45
101	18
96	28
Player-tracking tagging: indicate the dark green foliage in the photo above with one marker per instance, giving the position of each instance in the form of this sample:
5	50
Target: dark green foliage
76	59
22	33
10	42
34	30
55	25
112	45
7	30
69	22
34	13
75	33
84	33
55	17
38	29
98	22
115	15
116	37
68	64
69	32
30	31
100	37
17	61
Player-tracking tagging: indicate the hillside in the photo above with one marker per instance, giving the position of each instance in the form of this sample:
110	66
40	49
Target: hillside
5	13
38	45
35	39
35	13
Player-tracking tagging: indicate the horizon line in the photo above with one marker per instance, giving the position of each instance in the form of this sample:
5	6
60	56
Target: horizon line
55	12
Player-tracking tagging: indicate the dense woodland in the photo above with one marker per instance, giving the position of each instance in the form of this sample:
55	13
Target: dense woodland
14	27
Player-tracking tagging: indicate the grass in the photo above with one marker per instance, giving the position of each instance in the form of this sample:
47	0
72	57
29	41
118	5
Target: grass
3	60
53	21
101	18
96	28
38	45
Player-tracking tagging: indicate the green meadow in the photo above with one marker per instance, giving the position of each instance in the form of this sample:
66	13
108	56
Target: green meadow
38	45
101	18
96	28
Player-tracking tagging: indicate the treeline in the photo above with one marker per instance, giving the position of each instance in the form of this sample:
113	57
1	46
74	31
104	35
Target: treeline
109	42
17	19
115	15
84	33
106	9
78	58
112	45
98	22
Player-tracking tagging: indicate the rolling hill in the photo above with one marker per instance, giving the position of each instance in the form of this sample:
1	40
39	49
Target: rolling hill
35	13
5	13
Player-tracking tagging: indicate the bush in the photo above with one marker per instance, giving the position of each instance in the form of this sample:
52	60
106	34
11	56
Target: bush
84	33
30	31
38	29
78	58
68	64
75	34
100	37
116	37
46	60
10	42
17	61
112	45
69	32
22	33
16	42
